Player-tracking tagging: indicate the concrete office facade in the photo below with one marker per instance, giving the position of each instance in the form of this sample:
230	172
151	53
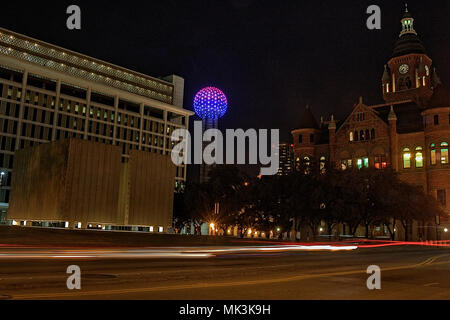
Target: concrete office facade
48	93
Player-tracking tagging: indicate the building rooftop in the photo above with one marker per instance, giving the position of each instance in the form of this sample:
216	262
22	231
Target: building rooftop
63	60
307	121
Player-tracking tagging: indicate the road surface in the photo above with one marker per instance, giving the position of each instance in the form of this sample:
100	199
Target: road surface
272	272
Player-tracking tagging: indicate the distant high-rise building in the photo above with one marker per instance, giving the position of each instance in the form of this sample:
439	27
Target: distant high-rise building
286	154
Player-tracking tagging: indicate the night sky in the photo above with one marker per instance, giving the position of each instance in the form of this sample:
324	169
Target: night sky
271	58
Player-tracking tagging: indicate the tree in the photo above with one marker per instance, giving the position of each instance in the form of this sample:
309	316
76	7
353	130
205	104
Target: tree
181	215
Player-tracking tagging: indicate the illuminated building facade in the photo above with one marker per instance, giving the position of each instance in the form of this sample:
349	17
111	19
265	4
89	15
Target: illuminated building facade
49	93
409	132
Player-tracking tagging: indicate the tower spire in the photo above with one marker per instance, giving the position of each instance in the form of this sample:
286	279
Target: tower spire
392	116
407	23
436	79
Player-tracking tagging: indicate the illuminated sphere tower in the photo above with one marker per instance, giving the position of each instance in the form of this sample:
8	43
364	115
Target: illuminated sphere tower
210	104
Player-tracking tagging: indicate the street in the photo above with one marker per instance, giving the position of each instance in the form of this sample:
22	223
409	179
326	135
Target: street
407	272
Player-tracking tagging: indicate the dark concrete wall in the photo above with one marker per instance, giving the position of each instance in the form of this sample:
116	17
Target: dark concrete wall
69	180
92	182
39	182
151	188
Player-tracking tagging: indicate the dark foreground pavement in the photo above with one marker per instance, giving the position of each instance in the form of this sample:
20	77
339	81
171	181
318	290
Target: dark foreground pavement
406	273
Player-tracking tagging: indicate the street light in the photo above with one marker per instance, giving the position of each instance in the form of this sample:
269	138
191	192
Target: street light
445	230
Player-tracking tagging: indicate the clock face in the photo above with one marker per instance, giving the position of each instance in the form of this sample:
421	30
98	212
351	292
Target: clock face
404	68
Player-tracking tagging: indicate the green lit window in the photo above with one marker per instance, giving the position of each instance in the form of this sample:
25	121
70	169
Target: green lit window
366	162
419	157
359	163
406	158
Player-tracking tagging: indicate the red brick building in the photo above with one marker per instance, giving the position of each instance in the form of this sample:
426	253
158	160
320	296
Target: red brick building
410	131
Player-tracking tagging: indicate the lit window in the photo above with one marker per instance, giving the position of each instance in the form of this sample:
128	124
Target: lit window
351	136
406	158
366	162
444	153
3	178
160	229
419	157
380	162
359	163
433	154
322	164
344	165
307	161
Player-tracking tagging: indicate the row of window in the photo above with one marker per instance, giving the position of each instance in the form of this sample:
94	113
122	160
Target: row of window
311	138
379	160
48	101
427	122
419	158
362	135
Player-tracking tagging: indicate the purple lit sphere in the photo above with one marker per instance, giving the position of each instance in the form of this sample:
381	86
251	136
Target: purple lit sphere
210	103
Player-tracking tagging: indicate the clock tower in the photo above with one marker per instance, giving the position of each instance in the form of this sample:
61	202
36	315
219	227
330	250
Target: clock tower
407	74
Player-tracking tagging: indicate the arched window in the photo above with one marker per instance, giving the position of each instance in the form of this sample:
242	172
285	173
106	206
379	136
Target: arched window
406	158
433	154
444	153
306	165
351	136
372	134
367	134
298	164
361	135
322	164
419	157
356	135
306	161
